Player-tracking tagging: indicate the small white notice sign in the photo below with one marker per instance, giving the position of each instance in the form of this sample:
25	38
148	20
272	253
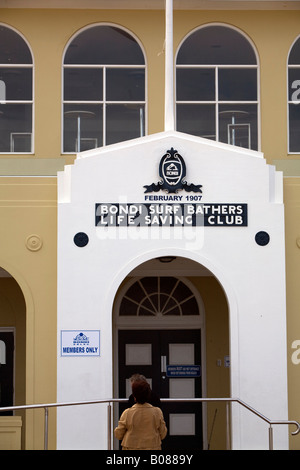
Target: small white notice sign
80	343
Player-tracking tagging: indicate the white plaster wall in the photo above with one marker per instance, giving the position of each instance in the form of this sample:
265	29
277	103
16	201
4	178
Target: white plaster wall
253	277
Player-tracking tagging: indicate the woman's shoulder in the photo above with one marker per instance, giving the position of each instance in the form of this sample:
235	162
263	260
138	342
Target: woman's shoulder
142	405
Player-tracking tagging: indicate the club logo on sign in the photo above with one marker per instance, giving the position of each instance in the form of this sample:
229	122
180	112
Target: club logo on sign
172	171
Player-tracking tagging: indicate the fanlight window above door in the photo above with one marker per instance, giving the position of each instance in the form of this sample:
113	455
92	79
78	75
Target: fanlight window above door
159	296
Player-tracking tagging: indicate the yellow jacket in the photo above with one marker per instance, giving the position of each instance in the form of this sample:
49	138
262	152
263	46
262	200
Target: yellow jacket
141	427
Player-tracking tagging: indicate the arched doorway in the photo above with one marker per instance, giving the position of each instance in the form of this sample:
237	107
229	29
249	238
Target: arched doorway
160	317
12	345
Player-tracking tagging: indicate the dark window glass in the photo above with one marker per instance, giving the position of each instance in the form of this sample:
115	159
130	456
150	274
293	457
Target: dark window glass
237	84
104	45
167	284
238	124
149	284
216	45
197	119
124	122
18	83
136	292
147	308
125	85
83	127
294	131
190	307
294	57
195	84
83	84
13	48
128	307
181	292
15	127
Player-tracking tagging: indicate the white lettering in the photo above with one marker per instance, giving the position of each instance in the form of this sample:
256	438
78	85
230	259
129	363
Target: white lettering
296	354
296	94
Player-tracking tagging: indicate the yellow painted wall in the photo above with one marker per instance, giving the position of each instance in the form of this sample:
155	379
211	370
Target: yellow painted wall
28	208
217	347
292	234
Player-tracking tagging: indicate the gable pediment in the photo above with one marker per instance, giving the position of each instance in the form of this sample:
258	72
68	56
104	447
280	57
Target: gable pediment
123	170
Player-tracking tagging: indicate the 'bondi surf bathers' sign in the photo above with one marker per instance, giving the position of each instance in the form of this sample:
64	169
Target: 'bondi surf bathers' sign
170	215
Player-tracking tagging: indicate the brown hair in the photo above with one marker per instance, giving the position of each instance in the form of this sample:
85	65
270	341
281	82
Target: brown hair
141	391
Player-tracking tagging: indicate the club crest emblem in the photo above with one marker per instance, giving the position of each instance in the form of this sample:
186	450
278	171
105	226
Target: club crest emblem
172	171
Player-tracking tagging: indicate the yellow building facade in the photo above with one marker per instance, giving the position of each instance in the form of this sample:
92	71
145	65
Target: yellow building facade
29	284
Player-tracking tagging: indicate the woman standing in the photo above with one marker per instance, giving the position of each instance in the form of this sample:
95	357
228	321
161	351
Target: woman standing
141	427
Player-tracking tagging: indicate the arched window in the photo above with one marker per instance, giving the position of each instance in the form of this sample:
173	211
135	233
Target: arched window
216	86
104	89
16	96
294	97
159	297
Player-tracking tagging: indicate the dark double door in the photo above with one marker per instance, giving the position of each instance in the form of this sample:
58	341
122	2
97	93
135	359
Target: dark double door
170	360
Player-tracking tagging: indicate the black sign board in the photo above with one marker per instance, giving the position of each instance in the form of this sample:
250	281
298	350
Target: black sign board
171	215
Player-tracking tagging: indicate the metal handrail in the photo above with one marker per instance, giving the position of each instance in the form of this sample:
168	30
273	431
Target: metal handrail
109	401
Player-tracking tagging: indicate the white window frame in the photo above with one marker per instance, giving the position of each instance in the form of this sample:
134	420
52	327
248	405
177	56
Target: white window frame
31	102
104	102
216	102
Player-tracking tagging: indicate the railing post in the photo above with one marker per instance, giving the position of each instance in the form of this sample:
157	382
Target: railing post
109	426
270	437
227	425
46	430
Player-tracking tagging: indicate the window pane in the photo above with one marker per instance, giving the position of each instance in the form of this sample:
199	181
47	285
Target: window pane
167	284
82	127
150	284
190	307
125	85
181	292
195	84
127	307
197	120
13	48
238	125
83	84
15	127
294	127
135	292
237	85
124	122
104	45
294	84
18	83
216	45
294	57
